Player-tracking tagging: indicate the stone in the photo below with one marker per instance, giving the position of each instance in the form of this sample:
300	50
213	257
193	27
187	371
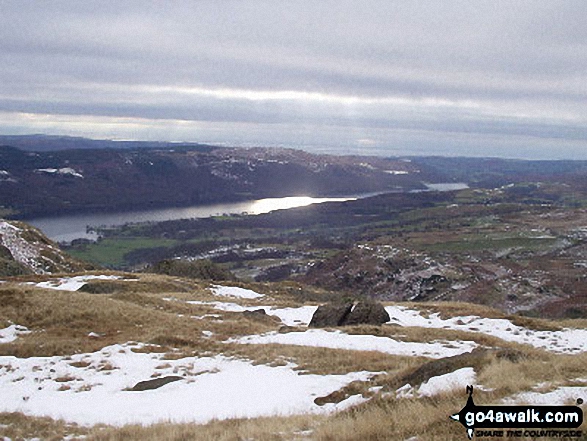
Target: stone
155	383
367	313
329	315
255	313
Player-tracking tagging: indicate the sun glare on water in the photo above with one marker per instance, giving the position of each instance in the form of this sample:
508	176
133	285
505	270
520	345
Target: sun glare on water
266	205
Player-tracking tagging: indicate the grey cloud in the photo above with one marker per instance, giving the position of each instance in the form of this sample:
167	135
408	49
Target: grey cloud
520	65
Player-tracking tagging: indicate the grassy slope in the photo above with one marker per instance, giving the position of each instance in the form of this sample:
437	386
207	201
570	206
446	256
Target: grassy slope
136	311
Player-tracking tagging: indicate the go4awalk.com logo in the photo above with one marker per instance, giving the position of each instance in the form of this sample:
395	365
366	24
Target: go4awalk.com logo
520	421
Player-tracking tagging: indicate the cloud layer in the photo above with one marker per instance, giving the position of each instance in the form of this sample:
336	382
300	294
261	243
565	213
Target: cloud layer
388	77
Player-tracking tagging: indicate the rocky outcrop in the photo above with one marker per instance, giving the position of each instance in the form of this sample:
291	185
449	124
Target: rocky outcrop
342	314
24	249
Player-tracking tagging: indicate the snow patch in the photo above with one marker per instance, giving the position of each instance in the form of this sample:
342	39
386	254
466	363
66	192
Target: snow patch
22	250
339	340
458	379
11	333
557	397
61	171
300	316
568	341
234	291
72	283
92	388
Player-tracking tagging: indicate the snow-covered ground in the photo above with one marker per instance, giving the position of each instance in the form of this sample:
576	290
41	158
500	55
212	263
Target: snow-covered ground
234	291
458	379
91	388
12	332
289	316
72	283
559	396
565	341
339	340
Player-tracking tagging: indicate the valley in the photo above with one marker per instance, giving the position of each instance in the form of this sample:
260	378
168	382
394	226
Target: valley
199	328
519	247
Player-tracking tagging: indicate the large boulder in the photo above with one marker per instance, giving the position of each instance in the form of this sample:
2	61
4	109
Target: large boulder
332	314
366	312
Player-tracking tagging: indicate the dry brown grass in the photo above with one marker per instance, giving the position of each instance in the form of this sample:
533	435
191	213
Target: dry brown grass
259	429
136	311
61	321
447	310
322	361
16	426
507	378
381	420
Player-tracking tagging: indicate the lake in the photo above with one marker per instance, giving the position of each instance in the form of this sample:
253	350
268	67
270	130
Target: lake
70	227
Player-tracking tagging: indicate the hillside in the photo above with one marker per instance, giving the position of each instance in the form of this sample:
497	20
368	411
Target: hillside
105	356
25	250
108	176
97	180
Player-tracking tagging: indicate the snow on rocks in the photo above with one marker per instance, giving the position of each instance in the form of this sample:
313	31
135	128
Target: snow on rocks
12	332
22	250
72	283
234	291
569	341
339	340
94	388
458	379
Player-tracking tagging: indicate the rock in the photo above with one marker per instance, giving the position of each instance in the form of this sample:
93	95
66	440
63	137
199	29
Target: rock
255	313
286	329
155	383
330	315
478	358
365	312
261	315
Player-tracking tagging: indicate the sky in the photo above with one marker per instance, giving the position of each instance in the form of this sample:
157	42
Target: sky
468	78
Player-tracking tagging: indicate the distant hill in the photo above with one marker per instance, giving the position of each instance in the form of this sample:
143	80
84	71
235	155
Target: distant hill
44	143
47	183
25	250
47	176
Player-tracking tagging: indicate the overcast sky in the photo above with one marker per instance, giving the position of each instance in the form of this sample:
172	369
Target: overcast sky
478	78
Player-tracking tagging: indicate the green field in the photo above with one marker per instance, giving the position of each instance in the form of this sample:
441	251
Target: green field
110	252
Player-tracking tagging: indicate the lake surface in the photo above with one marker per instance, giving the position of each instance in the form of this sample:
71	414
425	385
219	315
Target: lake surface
68	228
71	227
